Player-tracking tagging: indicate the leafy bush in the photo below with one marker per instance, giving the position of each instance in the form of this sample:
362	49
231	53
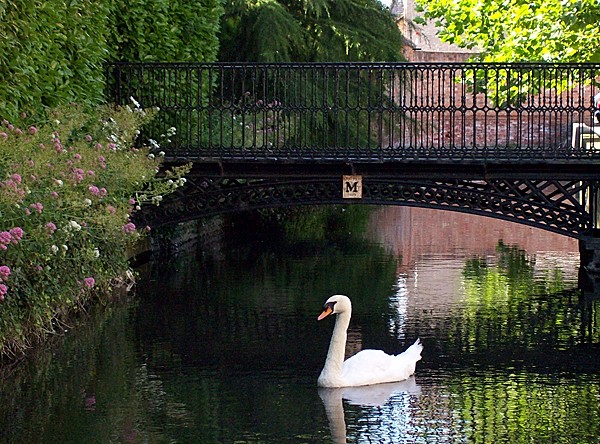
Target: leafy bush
67	190
54	52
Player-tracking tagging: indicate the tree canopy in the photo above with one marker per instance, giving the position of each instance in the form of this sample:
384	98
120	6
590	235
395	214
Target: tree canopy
521	30
308	31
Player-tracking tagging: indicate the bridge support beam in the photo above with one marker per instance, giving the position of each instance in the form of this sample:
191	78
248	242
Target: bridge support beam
589	269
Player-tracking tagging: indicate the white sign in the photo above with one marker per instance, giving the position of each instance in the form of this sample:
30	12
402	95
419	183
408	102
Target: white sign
352	187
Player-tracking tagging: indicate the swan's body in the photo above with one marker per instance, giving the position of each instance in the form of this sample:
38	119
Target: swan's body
367	367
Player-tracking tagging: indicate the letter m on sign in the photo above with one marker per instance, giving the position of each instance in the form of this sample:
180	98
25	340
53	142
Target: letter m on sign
352	187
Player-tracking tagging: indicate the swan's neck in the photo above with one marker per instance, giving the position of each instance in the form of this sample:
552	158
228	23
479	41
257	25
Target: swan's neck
332	370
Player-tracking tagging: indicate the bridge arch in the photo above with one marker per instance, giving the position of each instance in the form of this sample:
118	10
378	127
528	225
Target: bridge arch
560	206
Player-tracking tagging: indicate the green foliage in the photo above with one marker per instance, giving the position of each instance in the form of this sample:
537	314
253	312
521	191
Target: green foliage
165	31
312	31
320	223
308	31
521	30
53	51
67	190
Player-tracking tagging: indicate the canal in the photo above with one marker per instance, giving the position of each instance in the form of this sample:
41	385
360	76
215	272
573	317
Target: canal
222	345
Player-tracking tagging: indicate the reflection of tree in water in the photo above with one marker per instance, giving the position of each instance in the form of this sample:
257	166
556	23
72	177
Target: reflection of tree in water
515	312
512	407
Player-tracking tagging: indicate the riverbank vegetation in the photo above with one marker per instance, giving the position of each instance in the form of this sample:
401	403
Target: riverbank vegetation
53	52
67	193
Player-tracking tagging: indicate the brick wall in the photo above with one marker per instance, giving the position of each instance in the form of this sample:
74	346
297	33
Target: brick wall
441	111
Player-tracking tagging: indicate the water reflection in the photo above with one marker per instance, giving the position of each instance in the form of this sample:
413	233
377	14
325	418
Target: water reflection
369	397
227	349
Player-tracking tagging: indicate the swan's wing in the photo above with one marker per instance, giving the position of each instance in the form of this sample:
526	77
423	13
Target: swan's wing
375	366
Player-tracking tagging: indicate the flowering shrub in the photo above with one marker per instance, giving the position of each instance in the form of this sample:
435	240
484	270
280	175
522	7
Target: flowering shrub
67	191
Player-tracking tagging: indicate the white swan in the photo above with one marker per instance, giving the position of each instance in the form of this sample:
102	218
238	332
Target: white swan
367	366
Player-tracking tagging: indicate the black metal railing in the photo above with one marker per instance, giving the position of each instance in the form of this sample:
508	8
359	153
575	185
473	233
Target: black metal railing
404	111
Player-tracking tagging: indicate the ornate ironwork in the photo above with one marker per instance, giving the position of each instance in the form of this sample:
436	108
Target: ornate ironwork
511	141
559	206
433	112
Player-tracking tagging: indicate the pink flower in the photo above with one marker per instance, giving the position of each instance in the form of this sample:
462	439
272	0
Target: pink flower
4	272
37	207
51	227
128	228
110	209
89	282
4	135
32	130
78	174
16	234
5	239
88	138
54	194
77	156
16	177
3	291
94	190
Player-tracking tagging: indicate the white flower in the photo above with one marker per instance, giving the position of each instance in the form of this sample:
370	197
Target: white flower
96	252
64	247
150	156
87	202
74	225
59	182
161	154
54	249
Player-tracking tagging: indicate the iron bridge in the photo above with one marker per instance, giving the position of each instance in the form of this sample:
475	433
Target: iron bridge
510	141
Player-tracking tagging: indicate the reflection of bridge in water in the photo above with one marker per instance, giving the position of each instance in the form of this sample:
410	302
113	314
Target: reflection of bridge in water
508	141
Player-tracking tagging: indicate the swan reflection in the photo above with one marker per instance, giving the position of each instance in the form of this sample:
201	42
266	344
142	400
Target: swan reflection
366	396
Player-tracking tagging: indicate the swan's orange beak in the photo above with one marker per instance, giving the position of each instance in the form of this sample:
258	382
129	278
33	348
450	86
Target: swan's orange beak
326	312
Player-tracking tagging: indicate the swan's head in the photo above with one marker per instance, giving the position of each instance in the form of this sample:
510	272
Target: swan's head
335	304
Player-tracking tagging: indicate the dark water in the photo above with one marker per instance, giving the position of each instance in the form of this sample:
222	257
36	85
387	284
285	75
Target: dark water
227	349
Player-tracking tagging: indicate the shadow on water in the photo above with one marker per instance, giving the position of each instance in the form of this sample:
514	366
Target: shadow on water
225	348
